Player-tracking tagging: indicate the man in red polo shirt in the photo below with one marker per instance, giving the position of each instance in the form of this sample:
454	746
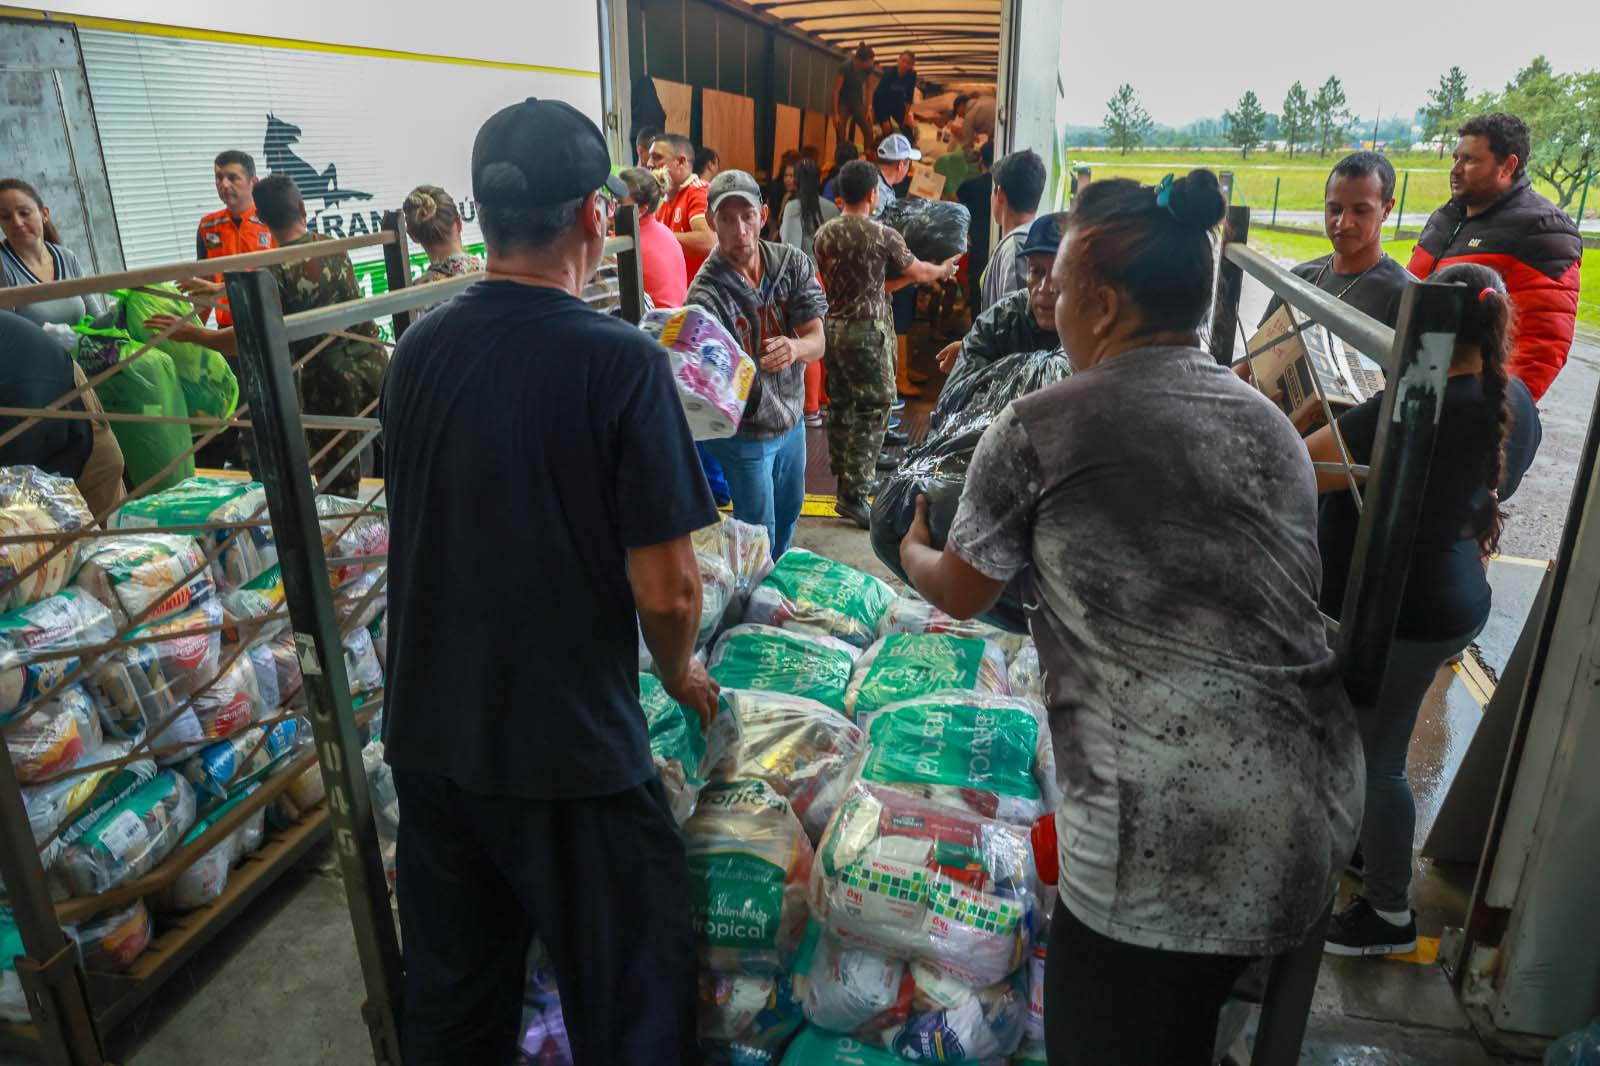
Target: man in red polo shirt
235	229
684	210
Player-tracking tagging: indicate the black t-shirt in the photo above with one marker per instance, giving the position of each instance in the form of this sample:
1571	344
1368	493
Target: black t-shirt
1376	295
34	372
529	442
895	93
1447	592
976	194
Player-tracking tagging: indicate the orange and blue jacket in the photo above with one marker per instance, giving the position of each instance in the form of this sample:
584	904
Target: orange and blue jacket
220	234
1534	246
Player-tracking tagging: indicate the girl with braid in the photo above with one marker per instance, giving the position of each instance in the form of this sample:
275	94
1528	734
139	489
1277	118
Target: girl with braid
1488	434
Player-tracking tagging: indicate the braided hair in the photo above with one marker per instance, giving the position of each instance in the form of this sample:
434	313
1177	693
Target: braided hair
1488	323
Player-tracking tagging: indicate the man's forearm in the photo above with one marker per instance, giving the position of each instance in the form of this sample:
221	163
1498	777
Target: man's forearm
670	635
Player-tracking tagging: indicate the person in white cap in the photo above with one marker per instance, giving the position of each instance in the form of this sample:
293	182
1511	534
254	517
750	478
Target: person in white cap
766	295
895	156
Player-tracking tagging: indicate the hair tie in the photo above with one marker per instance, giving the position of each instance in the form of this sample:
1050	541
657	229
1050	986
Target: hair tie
1486	292
1164	195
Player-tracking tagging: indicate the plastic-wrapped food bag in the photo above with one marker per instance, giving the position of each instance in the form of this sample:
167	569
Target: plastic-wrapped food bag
266	671
716	593
34	502
130	690
1027	675
908	665
131	838
161	571
221	768
711	371
950	1022
111	940
914	880
205	880
291	681
231	703
677	743
748	552
850	990
775	660
749	861
910	613
55	736
190	658
347	538
202	501
934	230
253	601
361	662
745	1020
814	594
800	747
68	620
117	786
973	396
990	755
13	1001
818	1047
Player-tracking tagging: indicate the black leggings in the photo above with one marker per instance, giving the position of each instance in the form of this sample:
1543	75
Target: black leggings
1107	1003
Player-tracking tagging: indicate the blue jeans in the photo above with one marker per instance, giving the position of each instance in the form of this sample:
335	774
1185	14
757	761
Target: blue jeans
1388	829
768	481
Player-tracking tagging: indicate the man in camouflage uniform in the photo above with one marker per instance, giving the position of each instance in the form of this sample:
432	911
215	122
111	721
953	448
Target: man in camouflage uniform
855	254
1024	321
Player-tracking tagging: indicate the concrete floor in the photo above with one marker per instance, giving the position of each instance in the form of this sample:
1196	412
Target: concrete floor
282	986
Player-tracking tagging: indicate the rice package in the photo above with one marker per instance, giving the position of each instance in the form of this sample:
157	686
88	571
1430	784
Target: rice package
907	665
713	374
746	1019
231	703
811	593
749	861
989	755
1027	675
913	880
776	660
82	812
800	747
131	838
850	990
54	736
70	619
191	654
345	537
677	743
746	549
33	502
716	593
162	573
200	501
219	769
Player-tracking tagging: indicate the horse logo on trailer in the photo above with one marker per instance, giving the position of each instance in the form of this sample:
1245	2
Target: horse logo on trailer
281	160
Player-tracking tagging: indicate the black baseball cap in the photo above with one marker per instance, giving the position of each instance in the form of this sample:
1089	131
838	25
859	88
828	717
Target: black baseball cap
540	152
1044	236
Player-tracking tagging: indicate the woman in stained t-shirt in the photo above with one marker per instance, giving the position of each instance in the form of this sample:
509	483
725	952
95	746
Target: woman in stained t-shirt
1488	434
1165	514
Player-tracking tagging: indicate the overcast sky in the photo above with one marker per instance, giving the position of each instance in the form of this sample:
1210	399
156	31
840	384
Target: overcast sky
1191	60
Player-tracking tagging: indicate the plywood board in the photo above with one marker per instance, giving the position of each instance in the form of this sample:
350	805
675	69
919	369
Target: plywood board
785	133
814	131
677	100
728	127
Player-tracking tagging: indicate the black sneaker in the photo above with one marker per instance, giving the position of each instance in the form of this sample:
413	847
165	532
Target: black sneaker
888	462
1362	931
896	438
853	510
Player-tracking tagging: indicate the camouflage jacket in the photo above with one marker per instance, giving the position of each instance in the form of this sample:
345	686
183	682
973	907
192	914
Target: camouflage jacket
344	377
1004	329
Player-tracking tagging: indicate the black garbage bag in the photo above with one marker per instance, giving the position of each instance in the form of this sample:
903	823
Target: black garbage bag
978	395
934	230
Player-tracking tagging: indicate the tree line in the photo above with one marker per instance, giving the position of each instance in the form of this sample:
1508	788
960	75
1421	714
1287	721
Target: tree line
1562	112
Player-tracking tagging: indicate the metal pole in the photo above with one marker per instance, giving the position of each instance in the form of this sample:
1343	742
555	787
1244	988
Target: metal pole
630	278
397	266
50	973
1583	197
1400	215
1407	425
1230	284
284	464
1277	184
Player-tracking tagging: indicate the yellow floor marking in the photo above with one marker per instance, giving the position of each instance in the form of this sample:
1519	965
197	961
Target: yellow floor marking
1425	955
1476	681
1517	560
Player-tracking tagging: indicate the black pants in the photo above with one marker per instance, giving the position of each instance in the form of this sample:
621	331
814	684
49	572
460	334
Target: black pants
1112	1004
602	882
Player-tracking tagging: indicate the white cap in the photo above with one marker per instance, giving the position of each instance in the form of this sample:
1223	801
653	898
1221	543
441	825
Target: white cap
895	147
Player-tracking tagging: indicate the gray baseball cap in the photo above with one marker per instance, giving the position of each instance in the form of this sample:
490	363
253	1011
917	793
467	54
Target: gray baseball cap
732	183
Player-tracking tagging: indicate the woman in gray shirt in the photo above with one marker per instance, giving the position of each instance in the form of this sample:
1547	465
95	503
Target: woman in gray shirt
1165	514
31	254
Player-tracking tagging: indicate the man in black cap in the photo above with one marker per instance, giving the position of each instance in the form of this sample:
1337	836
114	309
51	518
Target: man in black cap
767	296
542	485
1024	321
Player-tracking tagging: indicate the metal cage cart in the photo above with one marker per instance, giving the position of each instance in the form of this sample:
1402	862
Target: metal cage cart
286	581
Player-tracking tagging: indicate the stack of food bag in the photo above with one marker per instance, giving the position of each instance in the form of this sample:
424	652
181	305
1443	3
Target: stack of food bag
811	593
749	864
205	880
197	501
712	372
905	665
748	553
717	592
937	468
106	943
683	752
33	502
802	748
775	660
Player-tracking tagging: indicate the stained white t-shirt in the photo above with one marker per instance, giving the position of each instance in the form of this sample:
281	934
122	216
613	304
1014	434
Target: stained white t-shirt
1210	766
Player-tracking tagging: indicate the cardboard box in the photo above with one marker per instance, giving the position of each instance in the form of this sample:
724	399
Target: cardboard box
1282	369
926	182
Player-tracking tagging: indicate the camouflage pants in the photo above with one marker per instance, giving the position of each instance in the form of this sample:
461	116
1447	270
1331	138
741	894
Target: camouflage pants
342	380
860	361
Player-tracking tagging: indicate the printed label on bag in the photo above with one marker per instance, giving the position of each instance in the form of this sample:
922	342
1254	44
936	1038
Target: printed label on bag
123	833
738	901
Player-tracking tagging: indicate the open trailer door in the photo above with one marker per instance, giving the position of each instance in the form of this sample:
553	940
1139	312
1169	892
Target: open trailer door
1029	85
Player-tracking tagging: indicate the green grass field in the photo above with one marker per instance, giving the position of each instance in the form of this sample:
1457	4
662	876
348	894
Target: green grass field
1298	182
1298	247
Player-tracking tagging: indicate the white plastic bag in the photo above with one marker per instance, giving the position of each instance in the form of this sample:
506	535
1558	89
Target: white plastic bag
798	746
